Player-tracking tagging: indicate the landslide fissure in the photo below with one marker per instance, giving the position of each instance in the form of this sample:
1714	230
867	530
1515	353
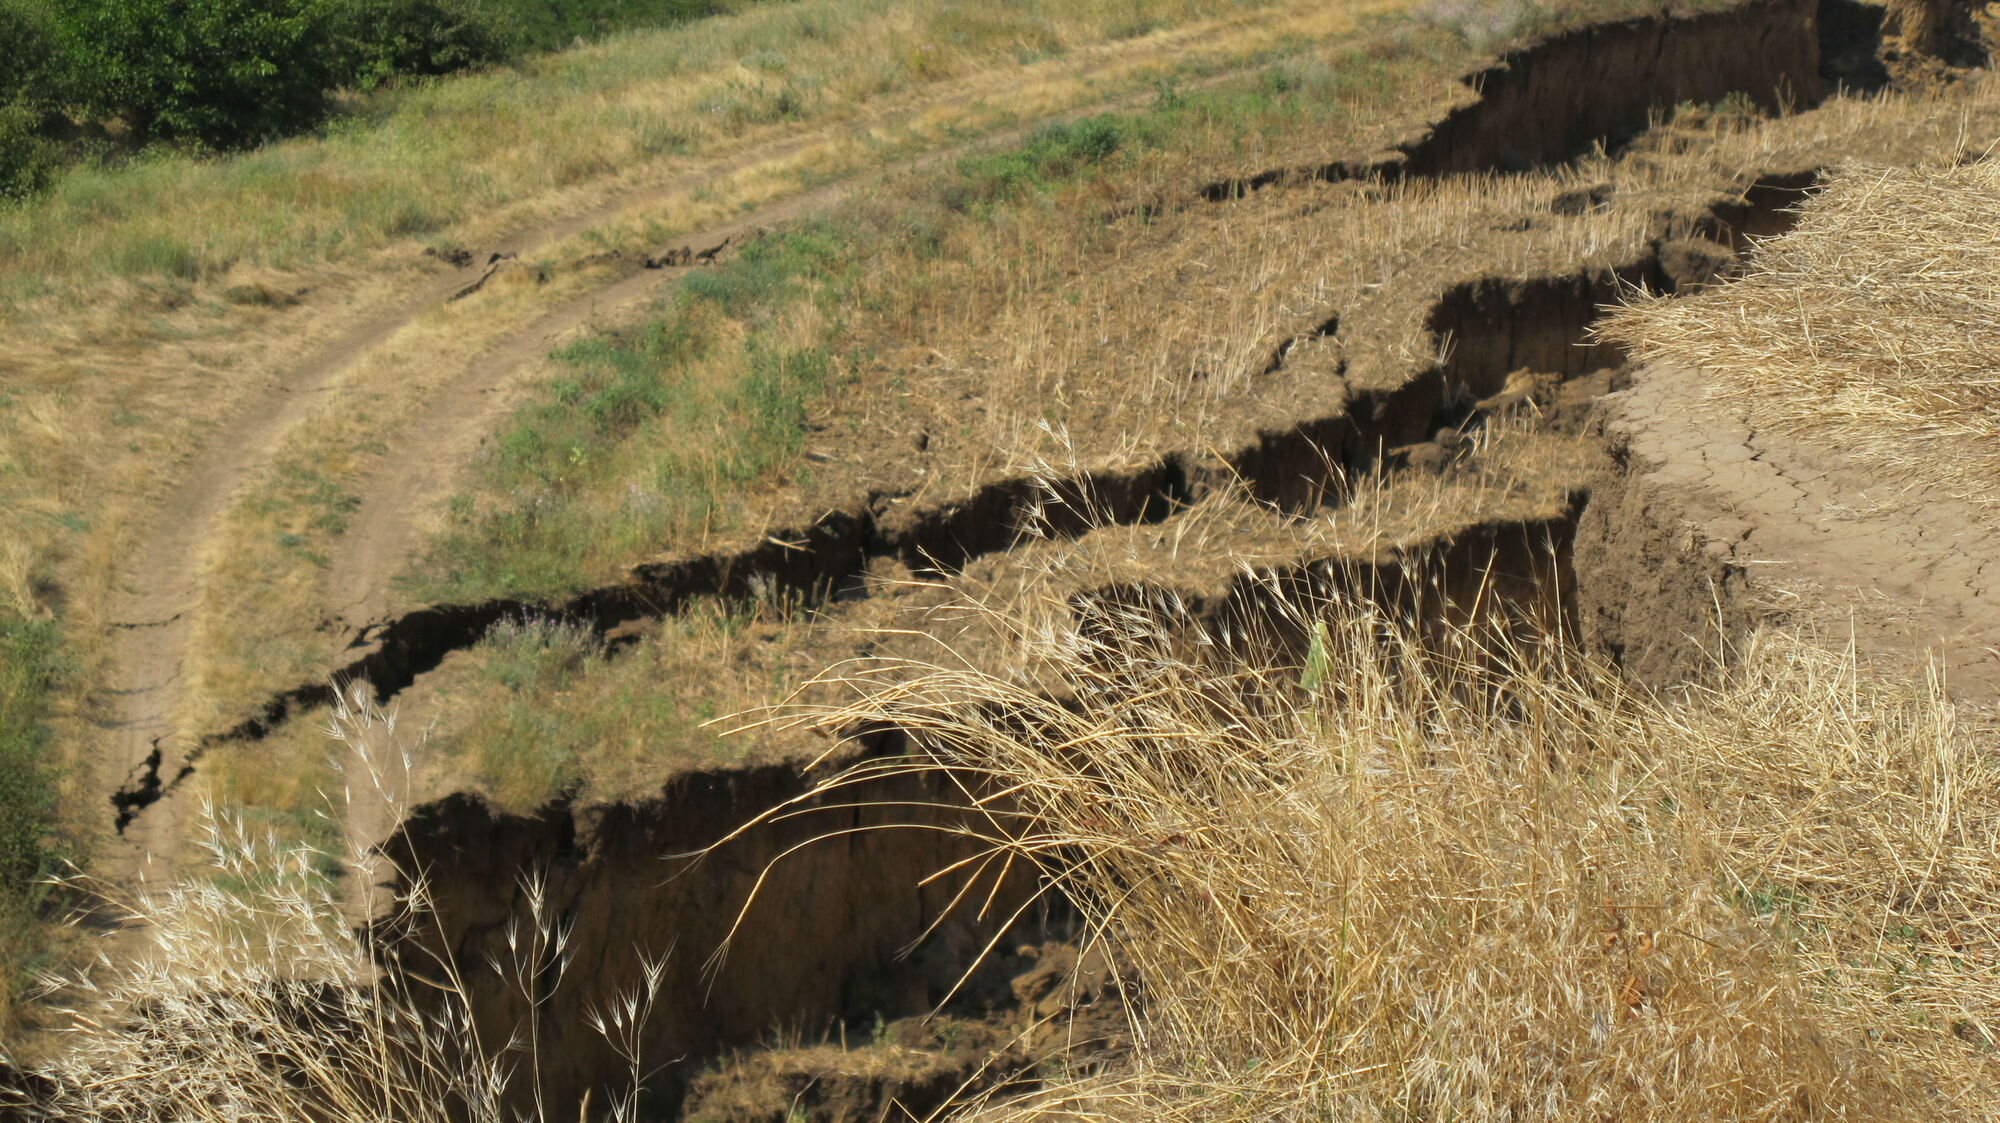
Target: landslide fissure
1487	327
1565	96
1543	103
846	930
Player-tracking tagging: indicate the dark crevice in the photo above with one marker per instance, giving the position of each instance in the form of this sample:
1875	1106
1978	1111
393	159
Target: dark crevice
1597	87
1494	326
140	790
1326	329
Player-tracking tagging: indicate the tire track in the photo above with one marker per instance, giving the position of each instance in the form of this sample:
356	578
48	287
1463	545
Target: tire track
146	753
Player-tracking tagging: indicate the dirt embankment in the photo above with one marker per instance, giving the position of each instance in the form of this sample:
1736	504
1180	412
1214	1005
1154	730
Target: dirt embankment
1603	85
821	946
1555	100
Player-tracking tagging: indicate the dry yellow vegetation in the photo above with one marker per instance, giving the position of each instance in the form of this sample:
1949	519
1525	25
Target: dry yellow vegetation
1871	324
1399	883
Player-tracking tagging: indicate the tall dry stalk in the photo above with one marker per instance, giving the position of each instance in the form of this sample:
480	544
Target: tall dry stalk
1399	884
263	996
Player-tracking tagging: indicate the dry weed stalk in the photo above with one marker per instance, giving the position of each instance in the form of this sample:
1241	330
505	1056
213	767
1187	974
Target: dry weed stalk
260	1000
1406	881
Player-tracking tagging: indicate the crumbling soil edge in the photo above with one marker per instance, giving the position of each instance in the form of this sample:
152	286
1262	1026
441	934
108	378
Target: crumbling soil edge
1552	101
1298	467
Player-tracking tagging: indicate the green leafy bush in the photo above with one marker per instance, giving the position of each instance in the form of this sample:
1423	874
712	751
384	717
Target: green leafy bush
386	38
221	72
28	43
28	160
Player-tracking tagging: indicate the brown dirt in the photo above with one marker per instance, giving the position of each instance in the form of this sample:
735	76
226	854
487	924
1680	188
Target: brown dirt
1748	527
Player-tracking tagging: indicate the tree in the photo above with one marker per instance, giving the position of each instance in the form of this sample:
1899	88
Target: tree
28	44
222	72
386	38
28	160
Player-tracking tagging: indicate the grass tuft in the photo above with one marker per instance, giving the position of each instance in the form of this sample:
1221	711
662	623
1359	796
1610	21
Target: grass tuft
31	666
1456	877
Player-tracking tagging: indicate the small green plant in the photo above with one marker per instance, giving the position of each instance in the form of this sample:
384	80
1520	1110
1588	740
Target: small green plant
1319	660
1055	152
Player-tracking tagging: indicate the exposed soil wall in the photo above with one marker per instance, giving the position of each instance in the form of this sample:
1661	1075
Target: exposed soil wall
1555	100
1494	580
1552	101
1654	599
822	941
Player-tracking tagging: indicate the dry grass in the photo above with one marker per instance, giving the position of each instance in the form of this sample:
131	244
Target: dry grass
259	998
130	347
1388	885
1056	330
1869	327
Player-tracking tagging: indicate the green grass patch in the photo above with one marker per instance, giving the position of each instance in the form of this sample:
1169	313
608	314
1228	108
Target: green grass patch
31	666
549	714
647	434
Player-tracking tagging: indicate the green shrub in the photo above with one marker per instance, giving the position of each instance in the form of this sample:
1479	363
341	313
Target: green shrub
28	94
385	38
28	160
28	43
1054	152
221	72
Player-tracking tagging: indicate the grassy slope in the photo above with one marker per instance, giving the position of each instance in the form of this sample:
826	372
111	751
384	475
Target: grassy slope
417	160
265	592
679	427
654	438
1412	891
121	266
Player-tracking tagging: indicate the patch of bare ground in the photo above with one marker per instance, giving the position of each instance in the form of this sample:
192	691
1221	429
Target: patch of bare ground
1813	440
1745	526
